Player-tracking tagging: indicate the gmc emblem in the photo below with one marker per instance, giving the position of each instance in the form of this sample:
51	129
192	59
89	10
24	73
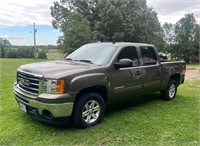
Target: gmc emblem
24	82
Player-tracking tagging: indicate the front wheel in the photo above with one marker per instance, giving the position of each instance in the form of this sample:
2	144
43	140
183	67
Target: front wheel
88	111
170	92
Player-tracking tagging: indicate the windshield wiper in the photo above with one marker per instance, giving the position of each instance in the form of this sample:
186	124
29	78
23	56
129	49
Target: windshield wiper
70	59
86	61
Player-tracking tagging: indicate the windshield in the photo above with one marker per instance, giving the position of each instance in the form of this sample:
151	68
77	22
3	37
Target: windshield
95	54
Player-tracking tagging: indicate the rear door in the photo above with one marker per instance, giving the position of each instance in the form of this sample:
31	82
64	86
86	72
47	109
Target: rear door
152	69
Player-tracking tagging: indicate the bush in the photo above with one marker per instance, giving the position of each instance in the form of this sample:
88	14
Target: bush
42	54
18	53
11	53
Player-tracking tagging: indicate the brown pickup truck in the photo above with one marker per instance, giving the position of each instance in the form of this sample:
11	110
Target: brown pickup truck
81	86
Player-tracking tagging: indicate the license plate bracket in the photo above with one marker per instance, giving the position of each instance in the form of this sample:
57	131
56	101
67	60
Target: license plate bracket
22	107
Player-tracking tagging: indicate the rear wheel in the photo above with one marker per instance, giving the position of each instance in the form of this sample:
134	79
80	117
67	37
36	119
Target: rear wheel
170	92
88	111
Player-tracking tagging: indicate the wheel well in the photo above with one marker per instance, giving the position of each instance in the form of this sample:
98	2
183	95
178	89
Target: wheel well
176	77
102	90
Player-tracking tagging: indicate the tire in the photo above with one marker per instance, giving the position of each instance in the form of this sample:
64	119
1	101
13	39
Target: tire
88	110
170	92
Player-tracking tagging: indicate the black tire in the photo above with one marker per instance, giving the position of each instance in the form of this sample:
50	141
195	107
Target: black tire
93	105
170	92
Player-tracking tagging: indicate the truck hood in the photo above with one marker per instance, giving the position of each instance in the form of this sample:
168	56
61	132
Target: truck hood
58	68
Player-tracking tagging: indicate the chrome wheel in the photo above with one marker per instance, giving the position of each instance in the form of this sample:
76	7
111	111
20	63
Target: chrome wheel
172	90
88	110
91	111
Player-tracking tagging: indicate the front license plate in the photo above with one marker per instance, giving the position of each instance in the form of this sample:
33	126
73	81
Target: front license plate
22	107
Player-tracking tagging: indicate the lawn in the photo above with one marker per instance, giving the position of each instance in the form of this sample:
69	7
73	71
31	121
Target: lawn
193	66
150	122
54	54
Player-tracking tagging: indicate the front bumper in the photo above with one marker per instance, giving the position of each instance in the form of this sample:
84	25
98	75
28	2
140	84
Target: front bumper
52	112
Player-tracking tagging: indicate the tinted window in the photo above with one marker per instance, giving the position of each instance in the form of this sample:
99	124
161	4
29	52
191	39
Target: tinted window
148	55
130	53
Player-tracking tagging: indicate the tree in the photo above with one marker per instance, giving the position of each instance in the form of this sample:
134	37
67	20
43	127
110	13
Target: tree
111	20
42	54
11	53
22	52
169	34
76	32
169	38
196	44
110	24
4	43
184	38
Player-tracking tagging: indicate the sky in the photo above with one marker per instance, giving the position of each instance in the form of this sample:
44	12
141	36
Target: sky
17	17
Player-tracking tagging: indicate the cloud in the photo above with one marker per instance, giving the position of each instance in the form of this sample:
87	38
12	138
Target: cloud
21	41
23	12
16	40
176	16
166	7
172	11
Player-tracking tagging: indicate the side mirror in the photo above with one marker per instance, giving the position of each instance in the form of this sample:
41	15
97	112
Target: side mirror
162	56
123	63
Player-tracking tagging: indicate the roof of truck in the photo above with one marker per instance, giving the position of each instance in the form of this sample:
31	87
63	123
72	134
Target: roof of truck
118	44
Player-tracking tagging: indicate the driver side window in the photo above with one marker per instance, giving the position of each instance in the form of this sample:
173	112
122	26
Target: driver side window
130	53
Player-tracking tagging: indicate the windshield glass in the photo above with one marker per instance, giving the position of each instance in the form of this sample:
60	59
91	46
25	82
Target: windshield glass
95	54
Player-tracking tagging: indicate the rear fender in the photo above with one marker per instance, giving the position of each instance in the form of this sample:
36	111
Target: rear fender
173	72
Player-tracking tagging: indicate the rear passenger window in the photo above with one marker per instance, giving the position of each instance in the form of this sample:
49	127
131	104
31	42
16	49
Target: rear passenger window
148	55
130	53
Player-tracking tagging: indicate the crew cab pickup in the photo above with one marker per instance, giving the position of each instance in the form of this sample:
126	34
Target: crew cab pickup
81	86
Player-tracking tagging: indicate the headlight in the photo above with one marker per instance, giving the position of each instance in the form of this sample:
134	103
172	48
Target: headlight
54	86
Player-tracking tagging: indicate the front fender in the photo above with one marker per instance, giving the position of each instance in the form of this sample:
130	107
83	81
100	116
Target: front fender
88	80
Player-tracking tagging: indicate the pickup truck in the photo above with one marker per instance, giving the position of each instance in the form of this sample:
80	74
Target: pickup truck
81	86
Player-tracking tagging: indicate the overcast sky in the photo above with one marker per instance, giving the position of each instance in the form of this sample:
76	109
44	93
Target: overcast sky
173	10
17	17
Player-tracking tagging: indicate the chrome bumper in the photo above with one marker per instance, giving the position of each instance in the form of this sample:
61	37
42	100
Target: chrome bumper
56	109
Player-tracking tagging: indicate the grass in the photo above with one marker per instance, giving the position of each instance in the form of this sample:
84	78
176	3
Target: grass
54	54
190	66
150	122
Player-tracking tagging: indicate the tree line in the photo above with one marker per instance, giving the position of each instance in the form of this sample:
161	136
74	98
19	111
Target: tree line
9	51
85	21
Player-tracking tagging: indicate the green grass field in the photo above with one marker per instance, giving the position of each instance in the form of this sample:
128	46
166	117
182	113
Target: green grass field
54	54
151	122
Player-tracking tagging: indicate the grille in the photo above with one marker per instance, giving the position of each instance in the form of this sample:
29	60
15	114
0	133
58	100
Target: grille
28	82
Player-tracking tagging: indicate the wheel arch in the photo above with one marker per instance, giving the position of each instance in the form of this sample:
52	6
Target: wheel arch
175	77
100	89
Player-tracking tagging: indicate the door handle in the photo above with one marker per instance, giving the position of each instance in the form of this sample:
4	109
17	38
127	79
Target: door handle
157	70
137	73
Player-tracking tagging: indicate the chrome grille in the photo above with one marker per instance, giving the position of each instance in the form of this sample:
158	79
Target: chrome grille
28	82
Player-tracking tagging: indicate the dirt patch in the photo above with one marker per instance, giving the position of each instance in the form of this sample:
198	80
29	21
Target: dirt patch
192	73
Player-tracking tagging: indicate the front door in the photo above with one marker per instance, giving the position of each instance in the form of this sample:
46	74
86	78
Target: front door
126	82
